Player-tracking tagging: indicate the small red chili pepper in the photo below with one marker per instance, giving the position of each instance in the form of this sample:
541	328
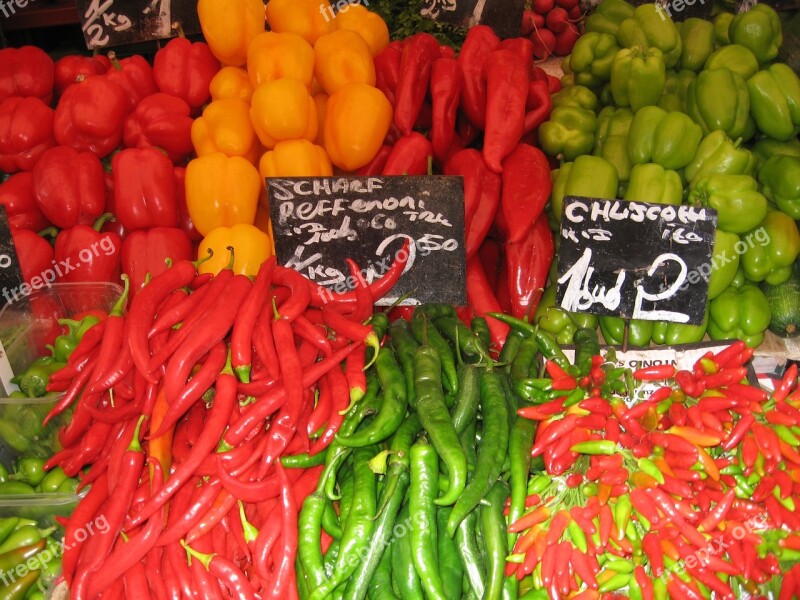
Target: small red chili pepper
687	383
787	384
655	372
731	351
243	326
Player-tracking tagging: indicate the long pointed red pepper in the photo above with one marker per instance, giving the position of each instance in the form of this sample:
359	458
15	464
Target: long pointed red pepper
506	94
446	84
419	52
243	326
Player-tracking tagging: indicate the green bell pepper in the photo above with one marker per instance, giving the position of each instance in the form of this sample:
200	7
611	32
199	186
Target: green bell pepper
758	29
735	58
780	181
650	182
591	57
772	249
739	313
638	76
608	16
717	153
588	175
697	39
568	133
718	101
672	334
765	148
639	331
611	141
675	90
725	260
775	101
669	139
578	96
722	24
560	323
739	204
650	27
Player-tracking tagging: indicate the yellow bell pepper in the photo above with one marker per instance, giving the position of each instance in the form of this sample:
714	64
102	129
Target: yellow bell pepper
231	82
356	122
367	24
340	58
229	26
251	247
295	158
308	18
221	191
274	56
283	110
321	102
225	127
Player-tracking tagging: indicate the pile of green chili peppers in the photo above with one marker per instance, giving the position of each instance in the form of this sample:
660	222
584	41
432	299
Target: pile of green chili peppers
30	559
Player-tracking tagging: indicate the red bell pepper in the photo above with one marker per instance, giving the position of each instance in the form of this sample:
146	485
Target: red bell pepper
184	69
481	298
480	42
16	194
526	189
69	68
82	253
387	70
134	75
527	264
26	71
184	220
26	131
446	82
35	255
538	105
506	93
162	121
481	195
69	186
144	189
146	252
409	156
375	166
419	52
112	224
90	115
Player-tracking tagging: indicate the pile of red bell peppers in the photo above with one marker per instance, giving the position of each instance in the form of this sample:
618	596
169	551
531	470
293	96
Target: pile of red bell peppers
475	115
87	136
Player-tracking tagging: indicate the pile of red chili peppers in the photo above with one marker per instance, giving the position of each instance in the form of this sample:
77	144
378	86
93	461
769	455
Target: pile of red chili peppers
184	406
689	494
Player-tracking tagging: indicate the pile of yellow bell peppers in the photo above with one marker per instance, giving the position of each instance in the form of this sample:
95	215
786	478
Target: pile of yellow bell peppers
297	100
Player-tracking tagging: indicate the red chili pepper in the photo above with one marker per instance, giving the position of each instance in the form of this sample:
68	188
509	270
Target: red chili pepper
767	441
687	383
721	378
387	70
419	52
244	325
526	190
787	384
528	262
728	353
445	87
655	372
480	296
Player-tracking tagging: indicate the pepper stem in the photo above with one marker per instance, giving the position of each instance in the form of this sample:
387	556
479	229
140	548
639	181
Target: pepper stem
230	262
228	369
135	445
179	28
250	532
123	299
104	218
205	559
373	342
112	56
50	232
430	165
206	258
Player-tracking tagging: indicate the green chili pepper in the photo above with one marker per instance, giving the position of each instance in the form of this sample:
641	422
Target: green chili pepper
616	582
622	514
30	470
425	332
380	586
7	525
520	441
586	347
404	575
511	348
52	480
450	567
331	557
405	346
604	447
330	521
648	466
468	397
493	527
577	535
522	363
13	488
309	528
469	553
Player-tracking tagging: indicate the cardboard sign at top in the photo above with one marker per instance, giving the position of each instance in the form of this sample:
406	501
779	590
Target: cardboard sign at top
504	16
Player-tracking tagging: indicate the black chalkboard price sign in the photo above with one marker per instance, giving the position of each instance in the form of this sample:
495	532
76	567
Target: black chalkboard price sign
10	273
503	16
321	221
635	260
109	23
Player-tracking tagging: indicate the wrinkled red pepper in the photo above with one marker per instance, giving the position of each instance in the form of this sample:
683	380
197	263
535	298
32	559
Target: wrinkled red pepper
506	93
144	189
82	253
146	252
375	166
26	131
522	47
16	194
69	68
480	42
387	70
481	195
419	52
480	296
90	115
409	156
69	187
538	105
491	256
35	255
26	71
527	265
446	82
184	69
184	220
134	75
162	121
526	189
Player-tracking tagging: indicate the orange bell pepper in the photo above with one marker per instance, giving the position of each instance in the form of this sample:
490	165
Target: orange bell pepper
231	82
357	120
307	18
321	102
225	127
364	22
229	26
283	110
295	158
274	56
251	247
221	191
340	58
